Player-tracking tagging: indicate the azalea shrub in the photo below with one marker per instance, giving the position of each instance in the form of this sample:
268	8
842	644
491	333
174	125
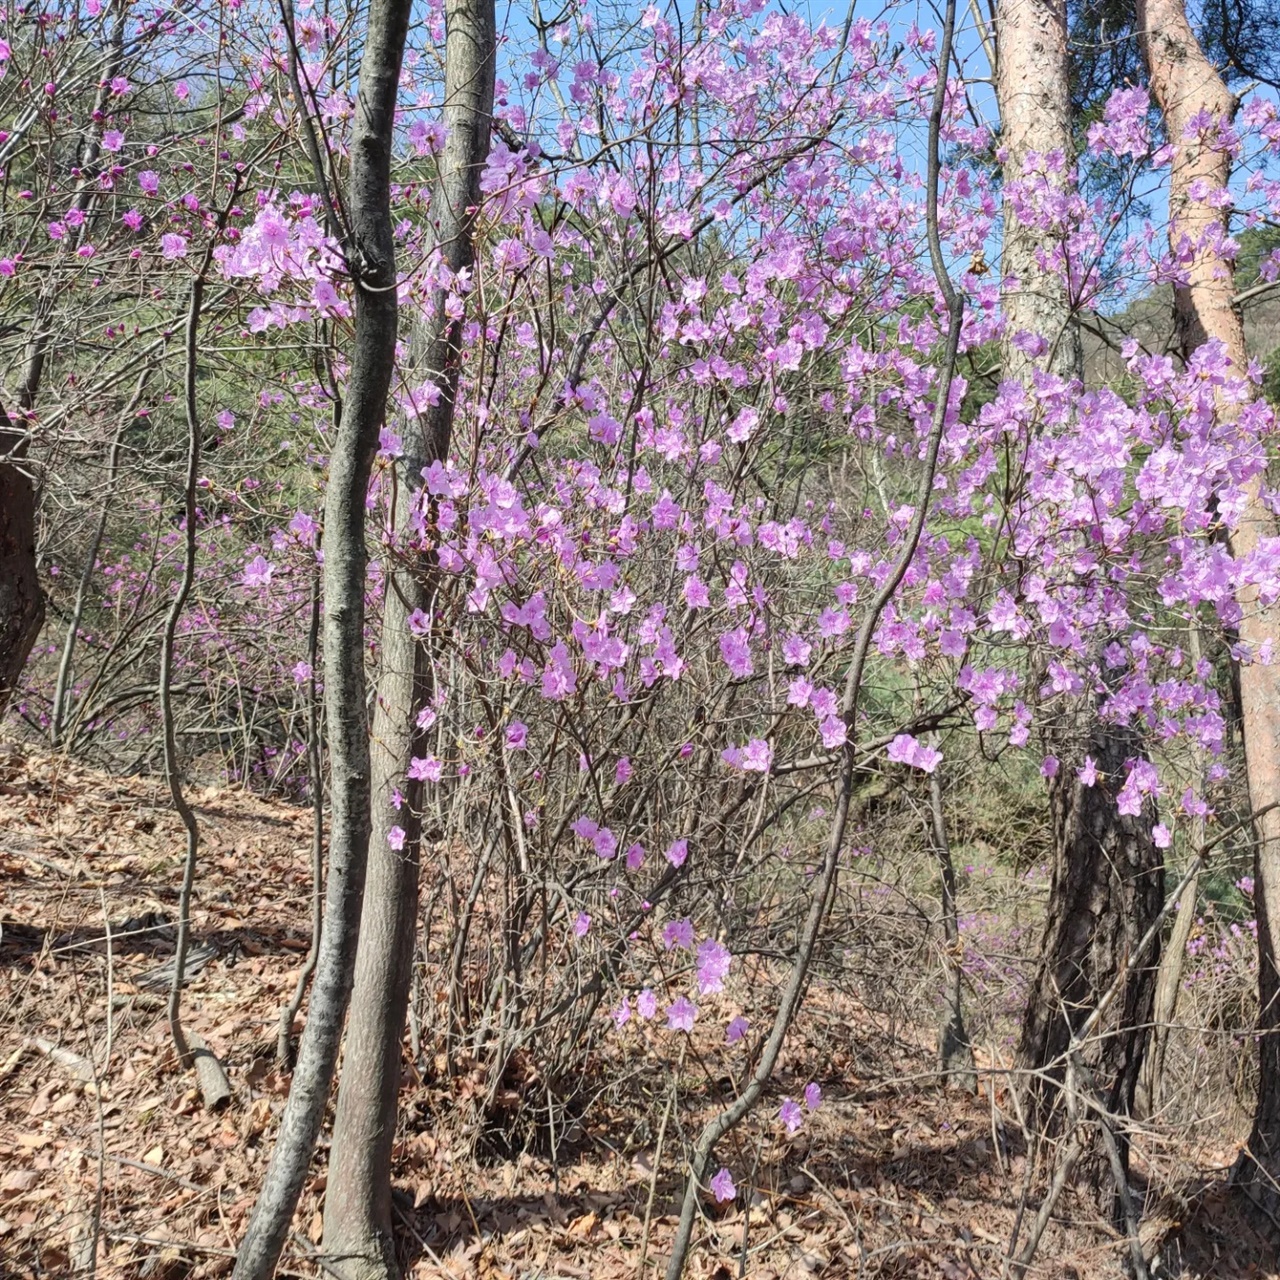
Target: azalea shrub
702	344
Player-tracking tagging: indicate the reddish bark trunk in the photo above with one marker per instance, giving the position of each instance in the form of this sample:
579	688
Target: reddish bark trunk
1186	83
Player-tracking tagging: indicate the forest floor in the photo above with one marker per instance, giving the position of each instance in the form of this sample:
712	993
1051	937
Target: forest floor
107	1156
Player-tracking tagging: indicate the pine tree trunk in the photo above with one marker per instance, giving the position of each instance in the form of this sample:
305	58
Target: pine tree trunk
1186	83
1107	887
357	1222
370	251
1173	962
1107	876
1033	88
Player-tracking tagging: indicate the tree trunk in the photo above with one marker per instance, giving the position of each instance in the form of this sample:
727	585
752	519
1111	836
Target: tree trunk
357	1222
1168	985
369	248
1173	962
849	797
955	1051
1107	888
1033	88
315	781
21	601
1186	83
1107	878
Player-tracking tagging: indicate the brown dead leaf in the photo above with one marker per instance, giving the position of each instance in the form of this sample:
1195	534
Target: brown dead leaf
256	1117
581	1228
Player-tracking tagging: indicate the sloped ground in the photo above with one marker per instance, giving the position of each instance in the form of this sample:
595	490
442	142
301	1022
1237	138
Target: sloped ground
103	1141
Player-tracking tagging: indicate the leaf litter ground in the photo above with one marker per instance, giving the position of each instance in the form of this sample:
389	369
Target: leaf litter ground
109	1162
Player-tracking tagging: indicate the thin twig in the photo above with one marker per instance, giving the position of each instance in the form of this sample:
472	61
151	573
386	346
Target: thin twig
657	1162
1041	1223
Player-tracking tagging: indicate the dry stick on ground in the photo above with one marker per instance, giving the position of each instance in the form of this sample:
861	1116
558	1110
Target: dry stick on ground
315	770
191	1050
369	247
1075	1149
849	773
100	1175
111	968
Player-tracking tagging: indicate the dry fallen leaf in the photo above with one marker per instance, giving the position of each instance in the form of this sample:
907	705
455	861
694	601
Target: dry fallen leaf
582	1228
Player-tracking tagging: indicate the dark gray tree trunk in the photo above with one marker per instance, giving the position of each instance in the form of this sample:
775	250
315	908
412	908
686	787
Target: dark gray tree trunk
370	253
357	1223
1107	888
955	1052
21	600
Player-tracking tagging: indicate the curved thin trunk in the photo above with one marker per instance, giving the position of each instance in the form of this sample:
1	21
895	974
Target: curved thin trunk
357	1222
370	252
190	1049
1186	83
848	796
955	1051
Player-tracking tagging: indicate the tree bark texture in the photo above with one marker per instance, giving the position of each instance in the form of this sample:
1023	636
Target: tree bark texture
357	1223
1107	879
1107	887
370	252
21	600
1033	88
1186	83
